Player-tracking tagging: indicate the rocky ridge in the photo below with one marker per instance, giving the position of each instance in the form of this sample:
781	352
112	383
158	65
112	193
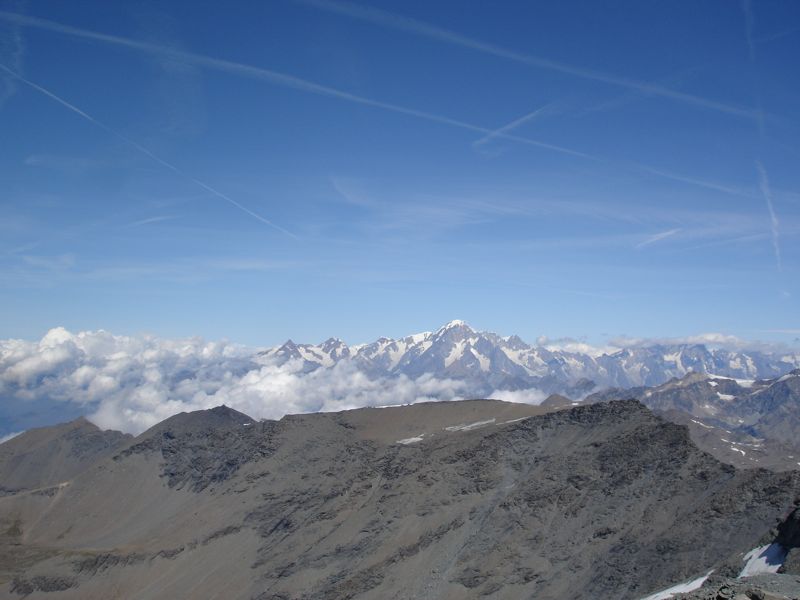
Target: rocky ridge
439	500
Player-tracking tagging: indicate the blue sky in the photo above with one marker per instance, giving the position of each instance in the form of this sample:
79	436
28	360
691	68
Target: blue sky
259	171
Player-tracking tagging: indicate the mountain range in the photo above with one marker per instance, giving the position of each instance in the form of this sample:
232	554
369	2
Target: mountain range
488	362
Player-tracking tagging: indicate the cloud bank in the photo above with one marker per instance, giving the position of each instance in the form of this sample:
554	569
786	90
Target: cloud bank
132	383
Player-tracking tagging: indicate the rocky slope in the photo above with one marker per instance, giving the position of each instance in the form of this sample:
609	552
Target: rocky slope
744	421
440	500
49	455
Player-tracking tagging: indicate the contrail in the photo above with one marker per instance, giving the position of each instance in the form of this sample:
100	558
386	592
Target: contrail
709	185
510	126
657	237
270	76
763	178
749	23
304	85
399	22
12	50
773	220
144	150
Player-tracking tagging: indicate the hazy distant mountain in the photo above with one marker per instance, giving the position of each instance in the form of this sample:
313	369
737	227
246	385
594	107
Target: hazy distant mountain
490	362
443	500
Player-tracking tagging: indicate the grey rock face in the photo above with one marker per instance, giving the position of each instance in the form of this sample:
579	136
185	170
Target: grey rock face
751	415
49	455
441	500
759	587
204	448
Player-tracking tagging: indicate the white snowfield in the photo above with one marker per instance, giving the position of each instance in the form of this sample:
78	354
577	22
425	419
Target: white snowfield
764	559
681	588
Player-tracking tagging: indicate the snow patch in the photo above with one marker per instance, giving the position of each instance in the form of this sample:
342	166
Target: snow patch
764	559
681	588
726	397
411	440
702	424
470	426
520	419
482	360
745	383
9	436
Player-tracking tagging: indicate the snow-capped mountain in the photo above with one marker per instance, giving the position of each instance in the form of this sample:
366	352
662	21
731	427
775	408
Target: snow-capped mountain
490	362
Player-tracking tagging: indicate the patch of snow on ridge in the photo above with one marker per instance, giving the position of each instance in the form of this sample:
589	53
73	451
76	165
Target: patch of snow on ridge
726	397
520	419
452	325
470	426
702	424
10	436
745	383
681	588
764	559
482	360
411	440
455	354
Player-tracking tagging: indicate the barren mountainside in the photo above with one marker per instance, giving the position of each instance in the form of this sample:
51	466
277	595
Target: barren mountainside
440	500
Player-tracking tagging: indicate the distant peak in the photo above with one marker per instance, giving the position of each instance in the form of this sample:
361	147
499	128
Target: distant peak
456	323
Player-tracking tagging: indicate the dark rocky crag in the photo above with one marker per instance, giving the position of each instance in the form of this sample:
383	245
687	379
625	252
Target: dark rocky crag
441	500
746	423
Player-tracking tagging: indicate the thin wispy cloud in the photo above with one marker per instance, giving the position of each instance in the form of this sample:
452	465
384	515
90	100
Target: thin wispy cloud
12	49
144	150
749	24
773	219
776	36
273	77
694	181
786	331
539	112
658	237
151	220
409	25
749	27
763	177
307	86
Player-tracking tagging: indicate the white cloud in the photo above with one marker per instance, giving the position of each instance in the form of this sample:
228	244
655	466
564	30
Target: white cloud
132	383
574	346
712	340
530	396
